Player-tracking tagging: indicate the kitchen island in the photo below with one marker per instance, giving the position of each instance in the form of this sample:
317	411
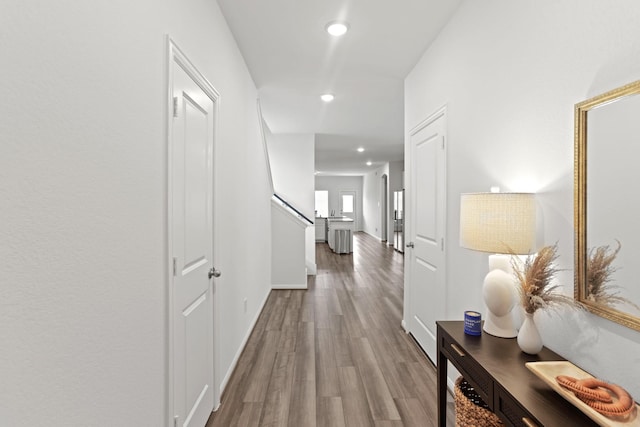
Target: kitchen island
340	234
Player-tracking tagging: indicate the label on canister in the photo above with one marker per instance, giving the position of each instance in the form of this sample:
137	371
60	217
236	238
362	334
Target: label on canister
472	323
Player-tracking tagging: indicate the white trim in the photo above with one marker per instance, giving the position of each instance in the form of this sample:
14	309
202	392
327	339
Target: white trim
369	234
263	138
430	119
384	207
404	326
289	286
181	59
356	212
176	56
409	220
312	268
243	344
169	243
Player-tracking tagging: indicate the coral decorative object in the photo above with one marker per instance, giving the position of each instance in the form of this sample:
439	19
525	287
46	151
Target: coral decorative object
595	393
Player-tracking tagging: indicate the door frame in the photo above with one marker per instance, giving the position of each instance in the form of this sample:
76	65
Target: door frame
408	211
384	209
355	205
176	57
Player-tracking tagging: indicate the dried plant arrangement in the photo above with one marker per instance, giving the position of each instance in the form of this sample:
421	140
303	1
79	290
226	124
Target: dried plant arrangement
599	271
534	278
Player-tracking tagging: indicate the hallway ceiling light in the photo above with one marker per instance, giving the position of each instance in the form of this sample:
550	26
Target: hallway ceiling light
337	28
368	163
360	149
327	97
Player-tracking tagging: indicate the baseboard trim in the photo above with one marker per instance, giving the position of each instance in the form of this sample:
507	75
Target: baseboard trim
312	268
293	286
236	358
380	239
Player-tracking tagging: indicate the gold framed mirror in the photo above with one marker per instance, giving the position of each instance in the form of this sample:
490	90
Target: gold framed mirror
606	203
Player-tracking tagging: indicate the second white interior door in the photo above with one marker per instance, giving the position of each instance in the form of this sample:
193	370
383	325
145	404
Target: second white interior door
426	281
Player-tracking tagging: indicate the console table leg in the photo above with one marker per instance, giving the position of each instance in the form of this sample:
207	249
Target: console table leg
442	389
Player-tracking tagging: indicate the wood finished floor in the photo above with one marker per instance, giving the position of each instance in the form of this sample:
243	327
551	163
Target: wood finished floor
334	355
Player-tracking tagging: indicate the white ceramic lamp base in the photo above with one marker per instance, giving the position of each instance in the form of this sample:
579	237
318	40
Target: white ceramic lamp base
498	294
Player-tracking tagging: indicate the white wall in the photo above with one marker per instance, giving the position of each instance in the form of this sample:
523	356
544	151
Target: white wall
372	198
83	196
292	158
396	172
335	184
372	201
288	268
510	74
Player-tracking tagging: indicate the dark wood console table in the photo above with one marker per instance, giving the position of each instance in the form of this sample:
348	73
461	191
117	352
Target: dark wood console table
495	368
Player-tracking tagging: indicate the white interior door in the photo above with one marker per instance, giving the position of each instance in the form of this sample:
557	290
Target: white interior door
191	247
426	280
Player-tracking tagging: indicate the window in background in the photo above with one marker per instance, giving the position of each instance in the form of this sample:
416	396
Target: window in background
347	203
322	203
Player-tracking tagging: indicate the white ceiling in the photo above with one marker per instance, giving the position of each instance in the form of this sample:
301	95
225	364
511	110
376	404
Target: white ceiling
293	61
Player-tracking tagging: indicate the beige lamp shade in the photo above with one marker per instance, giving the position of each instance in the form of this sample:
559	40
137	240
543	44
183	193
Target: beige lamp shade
498	222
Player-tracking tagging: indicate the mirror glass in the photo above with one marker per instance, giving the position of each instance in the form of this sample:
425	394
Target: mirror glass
606	202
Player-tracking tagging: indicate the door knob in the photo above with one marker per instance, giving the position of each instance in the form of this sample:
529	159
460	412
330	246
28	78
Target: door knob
410	245
214	273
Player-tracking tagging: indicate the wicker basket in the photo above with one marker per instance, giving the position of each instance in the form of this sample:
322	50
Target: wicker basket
471	411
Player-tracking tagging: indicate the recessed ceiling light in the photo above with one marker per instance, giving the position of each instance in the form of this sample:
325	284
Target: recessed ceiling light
327	97
368	163
337	28
360	149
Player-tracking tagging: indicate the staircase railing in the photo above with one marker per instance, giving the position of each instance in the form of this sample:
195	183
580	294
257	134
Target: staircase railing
292	208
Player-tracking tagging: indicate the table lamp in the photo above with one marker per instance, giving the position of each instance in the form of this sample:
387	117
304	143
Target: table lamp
503	224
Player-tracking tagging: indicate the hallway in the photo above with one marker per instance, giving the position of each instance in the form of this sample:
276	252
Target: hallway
335	354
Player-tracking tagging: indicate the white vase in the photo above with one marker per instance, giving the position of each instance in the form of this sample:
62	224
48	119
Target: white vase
529	338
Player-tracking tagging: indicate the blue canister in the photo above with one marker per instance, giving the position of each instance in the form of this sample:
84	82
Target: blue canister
472	323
